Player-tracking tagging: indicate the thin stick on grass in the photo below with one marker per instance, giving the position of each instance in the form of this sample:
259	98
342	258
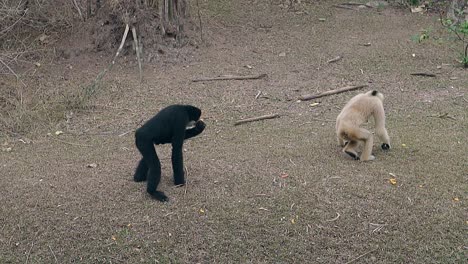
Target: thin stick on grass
252	119
29	252
230	77
336	91
79	10
10	69
424	74
337	58
258	94
345	7
53	254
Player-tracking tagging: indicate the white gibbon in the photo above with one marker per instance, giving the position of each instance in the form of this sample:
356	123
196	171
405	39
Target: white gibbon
356	112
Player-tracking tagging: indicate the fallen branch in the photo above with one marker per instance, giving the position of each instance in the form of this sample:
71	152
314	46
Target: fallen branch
443	116
230	77
345	7
337	58
336	91
252	119
425	74
79	10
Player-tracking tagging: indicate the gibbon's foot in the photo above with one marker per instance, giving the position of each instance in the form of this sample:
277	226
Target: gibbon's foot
385	146
160	196
371	158
179	180
353	155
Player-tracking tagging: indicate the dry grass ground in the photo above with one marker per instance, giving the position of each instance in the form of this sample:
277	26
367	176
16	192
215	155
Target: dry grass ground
238	206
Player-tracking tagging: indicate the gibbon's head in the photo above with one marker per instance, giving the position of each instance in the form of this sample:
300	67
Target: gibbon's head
377	94
193	112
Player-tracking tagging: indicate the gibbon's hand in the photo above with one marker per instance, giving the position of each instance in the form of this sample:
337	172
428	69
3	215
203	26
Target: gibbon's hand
200	125
385	146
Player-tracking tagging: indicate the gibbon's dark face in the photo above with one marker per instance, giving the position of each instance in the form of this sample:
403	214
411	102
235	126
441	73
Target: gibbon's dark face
193	112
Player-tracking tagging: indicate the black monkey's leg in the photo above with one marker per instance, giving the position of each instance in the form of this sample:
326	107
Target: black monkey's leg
141	171
151	160
178	164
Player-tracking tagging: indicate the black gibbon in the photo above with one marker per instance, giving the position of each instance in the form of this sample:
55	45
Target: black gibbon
168	126
356	112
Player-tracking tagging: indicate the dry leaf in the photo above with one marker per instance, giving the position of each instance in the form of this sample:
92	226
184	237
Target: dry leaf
114	238
202	211
456	199
393	181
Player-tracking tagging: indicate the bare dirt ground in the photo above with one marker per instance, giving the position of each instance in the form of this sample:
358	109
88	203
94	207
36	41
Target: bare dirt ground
274	191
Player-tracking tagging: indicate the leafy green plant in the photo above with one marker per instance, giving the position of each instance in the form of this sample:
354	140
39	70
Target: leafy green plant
422	36
460	30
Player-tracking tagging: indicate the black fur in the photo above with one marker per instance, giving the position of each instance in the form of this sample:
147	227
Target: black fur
168	126
352	155
374	93
385	146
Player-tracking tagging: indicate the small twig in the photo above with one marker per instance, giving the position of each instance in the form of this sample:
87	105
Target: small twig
353	4
125	133
336	91
29	252
230	77
79	10
53	254
122	42
345	7
71	143
137	49
334	219
168	214
252	119
11	70
337	58
12	25
425	74
258	94
378	227
360	256
444	115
